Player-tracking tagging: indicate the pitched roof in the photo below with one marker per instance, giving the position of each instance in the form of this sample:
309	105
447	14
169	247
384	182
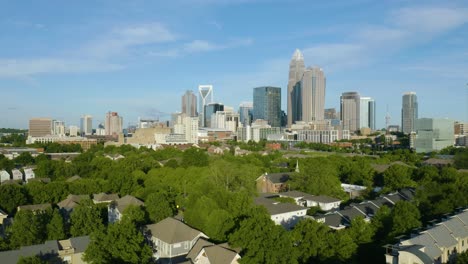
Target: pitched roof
72	201
351	213
35	207
173	231
443	236
273	207
219	255
80	243
104	197
277	177
126	201
368	208
323	199
201	243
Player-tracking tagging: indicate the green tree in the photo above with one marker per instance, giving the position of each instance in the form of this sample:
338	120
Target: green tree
382	223
405	216
462	258
159	206
31	260
262	241
135	214
85	219
461	159
397	177
121	243
311	238
24	159
219	224
26	229
360	231
194	157
56	227
11	196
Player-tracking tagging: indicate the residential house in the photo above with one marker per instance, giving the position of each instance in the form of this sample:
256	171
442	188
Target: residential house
172	239
272	183
72	201
285	214
440	243
205	252
29	174
104	198
35	207
326	203
4	176
17	175
53	251
116	208
439	163
353	190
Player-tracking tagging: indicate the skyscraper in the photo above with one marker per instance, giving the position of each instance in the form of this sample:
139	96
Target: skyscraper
86	125
246	113
310	96
296	70
409	112
206	97
113	124
58	128
189	104
367	113
267	105
40	127
211	109
349	109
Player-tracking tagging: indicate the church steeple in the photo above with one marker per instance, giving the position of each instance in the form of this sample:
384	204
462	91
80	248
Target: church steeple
297	166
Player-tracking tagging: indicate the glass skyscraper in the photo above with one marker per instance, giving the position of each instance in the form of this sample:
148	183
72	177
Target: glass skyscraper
367	113
211	109
267	105
409	112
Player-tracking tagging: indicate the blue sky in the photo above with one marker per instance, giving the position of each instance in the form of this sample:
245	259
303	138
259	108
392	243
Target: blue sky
63	59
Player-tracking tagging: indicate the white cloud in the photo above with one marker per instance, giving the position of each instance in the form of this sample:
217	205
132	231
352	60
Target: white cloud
28	67
198	46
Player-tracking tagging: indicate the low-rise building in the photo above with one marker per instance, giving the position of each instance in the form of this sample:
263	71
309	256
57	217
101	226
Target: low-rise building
4	176
205	252
172	239
71	203
272	183
285	214
440	243
326	203
17	175
35	207
116	209
29	174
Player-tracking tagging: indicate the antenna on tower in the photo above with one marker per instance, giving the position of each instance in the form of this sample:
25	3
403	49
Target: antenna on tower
387	121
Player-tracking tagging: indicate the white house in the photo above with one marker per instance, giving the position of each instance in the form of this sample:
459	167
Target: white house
326	203
285	214
4	176
17	175
29	174
116	208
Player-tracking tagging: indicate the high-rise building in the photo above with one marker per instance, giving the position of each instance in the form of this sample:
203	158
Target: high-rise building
58	128
211	109
296	70
308	96
246	113
330	113
349	109
409	112
367	113
225	120
188	126
433	134
189	104
73	131
40	127
86	125
267	105
113	124
206	97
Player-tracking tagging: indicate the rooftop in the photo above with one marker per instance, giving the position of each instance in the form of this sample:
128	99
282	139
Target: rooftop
173	231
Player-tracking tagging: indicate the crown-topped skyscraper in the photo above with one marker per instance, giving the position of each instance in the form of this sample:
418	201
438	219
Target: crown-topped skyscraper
296	70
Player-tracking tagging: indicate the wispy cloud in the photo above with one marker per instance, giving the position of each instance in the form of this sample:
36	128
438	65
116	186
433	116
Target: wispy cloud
198	46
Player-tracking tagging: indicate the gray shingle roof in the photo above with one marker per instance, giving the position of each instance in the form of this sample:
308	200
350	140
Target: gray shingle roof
126	201
368	208
426	240
442	236
278	177
219	255
80	243
273	207
394	197
201	243
463	217
104	197
173	231
350	213
416	250
72	201
34	207
456	226
334	220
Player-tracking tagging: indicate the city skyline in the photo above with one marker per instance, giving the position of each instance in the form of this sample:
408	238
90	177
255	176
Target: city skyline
94	60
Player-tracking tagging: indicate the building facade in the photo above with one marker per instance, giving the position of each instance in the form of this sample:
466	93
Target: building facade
211	109
296	70
308	96
189	104
267	105
246	113
40	127
349	110
433	134
367	113
113	124
86	125
206	97
409	112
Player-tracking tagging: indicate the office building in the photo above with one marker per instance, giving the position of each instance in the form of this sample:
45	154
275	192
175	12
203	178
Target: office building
206	97
40	127
433	134
409	112
113	124
189	104
209	110
308	96
73	131
330	113
267	105
246	113
86	125
58	128
349	110
228	120
367	113
187	126
296	70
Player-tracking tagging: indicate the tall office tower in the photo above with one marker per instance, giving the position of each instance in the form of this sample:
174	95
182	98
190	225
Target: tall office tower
211	109
206	97
409	112
189	104
367	113
330	113
349	109
246	113
40	127
296	70
308	101
187	126
58	128
86	125
267	105
113	124
433	134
